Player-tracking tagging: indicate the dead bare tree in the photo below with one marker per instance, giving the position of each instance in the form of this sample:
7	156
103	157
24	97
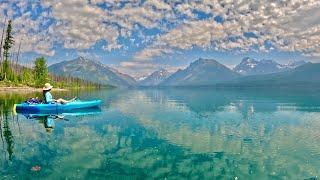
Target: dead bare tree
18	55
2	36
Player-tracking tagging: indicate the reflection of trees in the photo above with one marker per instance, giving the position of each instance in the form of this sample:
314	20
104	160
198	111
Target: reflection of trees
7	134
166	138
1	133
6	104
125	148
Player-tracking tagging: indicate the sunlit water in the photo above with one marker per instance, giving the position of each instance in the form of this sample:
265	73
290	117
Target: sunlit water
197	133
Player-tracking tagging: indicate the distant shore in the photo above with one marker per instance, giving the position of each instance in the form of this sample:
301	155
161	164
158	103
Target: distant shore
24	89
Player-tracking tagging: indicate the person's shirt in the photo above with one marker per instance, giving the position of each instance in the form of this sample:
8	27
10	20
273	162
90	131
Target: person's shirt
48	97
49	122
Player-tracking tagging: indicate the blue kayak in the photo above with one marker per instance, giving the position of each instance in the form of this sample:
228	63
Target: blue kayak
56	107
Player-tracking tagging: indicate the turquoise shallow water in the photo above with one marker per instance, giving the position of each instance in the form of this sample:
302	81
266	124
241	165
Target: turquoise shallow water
196	133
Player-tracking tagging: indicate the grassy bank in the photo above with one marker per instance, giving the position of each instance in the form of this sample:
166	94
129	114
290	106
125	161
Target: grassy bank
8	86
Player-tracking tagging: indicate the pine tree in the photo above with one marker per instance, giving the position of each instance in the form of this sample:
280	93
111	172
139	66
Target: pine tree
40	72
8	42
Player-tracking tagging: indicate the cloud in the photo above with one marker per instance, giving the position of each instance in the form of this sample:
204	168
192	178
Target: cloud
152	52
282	25
89	55
161	28
136	69
80	25
158	4
27	30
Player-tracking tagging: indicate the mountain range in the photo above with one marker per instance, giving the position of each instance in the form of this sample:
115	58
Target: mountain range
199	73
93	71
155	78
304	76
250	66
202	72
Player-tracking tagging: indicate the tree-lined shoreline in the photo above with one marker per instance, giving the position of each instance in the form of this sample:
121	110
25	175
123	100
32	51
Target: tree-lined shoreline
14	76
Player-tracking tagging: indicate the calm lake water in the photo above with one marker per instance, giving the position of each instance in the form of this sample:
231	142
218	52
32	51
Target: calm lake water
196	133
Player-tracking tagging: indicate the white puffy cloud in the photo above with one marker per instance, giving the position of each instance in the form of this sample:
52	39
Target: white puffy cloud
27	30
136	68
152	52
80	25
284	25
158	4
143	68
222	25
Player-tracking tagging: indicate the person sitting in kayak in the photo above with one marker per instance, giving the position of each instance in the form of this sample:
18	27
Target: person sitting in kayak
47	96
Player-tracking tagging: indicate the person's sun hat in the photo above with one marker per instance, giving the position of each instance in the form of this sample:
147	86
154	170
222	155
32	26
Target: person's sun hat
47	87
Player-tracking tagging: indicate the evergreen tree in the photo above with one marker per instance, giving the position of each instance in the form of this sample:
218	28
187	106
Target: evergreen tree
8	42
40	72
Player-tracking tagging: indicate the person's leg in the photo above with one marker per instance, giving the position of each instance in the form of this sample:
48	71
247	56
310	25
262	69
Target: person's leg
73	99
62	101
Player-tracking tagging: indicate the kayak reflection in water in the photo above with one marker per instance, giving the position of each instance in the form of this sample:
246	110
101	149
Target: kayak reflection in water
47	96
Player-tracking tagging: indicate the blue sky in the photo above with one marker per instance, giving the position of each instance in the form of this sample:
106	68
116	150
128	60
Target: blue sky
138	37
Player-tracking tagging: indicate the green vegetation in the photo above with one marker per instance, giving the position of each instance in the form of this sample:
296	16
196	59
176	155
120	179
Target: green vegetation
12	74
39	75
8	135
41	72
6	70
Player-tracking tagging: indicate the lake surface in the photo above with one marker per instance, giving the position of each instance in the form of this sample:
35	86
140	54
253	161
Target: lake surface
196	133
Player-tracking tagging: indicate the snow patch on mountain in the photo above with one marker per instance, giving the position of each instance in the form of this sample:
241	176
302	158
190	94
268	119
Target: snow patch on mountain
155	78
250	66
